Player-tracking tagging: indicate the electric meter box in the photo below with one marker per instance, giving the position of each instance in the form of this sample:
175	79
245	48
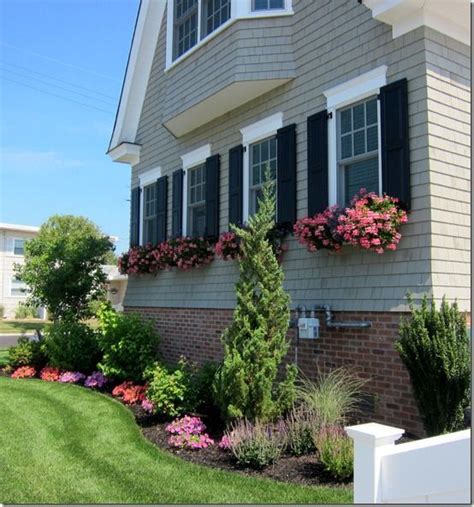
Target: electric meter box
308	328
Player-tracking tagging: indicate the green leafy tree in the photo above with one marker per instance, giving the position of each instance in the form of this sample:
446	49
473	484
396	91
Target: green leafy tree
63	266
434	346
255	344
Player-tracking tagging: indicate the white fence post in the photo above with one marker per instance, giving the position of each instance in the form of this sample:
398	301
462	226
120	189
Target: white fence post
369	440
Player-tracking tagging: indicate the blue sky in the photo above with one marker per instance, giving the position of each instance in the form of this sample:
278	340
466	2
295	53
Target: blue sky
53	141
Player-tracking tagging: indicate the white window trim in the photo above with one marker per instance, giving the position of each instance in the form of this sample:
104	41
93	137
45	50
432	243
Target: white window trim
13	246
251	134
145	179
342	95
239	9
191	159
22	296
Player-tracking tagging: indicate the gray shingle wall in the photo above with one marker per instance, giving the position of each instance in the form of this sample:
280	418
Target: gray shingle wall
332	42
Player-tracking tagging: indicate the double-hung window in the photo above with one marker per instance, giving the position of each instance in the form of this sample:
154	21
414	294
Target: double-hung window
18	287
196	200
263	165
215	13
149	214
265	5
358	149
18	247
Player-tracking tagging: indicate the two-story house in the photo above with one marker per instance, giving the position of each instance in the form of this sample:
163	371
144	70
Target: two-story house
334	95
12	289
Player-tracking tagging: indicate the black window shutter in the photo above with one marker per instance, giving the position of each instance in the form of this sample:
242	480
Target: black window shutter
135	217
395	150
177	204
236	184
212	196
318	189
161	208
286	175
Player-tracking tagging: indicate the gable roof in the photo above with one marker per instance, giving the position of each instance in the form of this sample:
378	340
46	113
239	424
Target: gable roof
140	59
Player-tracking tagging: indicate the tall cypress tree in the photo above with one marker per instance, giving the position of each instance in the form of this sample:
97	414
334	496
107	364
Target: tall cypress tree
255	344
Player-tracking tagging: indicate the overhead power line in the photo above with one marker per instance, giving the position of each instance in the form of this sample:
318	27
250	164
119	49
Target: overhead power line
53	78
11	46
87	96
56	95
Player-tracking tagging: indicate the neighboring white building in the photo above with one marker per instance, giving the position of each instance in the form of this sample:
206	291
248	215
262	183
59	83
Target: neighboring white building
116	286
12	241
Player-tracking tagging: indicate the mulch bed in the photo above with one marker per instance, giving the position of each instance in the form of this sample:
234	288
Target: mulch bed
304	470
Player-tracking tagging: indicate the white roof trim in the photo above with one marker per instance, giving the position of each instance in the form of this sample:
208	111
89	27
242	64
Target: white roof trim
451	18
262	128
145	38
21	228
127	153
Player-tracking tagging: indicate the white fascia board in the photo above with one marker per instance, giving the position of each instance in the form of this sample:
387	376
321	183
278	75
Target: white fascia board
149	176
126	153
357	88
139	64
19	228
196	157
262	128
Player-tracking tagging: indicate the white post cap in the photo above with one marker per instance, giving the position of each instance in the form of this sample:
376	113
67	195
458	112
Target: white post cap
374	433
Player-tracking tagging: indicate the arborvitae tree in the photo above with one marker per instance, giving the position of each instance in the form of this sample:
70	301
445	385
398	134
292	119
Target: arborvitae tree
434	346
255	344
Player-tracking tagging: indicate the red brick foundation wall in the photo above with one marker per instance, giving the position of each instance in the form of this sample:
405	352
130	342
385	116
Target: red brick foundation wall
195	333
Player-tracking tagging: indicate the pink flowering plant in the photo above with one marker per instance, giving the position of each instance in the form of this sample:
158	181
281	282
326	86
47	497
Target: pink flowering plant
188	433
71	377
228	246
372	222
24	372
148	406
320	232
184	253
50	374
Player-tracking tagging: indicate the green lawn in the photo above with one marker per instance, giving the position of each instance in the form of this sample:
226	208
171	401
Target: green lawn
65	444
3	356
19	326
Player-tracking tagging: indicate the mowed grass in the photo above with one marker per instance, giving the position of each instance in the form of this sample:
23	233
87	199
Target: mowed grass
3	356
65	444
20	326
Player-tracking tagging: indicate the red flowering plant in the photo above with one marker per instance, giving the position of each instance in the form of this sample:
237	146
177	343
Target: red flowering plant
24	372
372	222
320	232
130	393
50	374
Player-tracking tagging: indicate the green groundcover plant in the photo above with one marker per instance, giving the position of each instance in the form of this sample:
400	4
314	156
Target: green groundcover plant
434	345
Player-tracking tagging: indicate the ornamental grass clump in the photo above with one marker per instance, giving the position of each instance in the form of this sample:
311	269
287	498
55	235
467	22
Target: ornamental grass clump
336	451
435	347
333	396
256	444
246	385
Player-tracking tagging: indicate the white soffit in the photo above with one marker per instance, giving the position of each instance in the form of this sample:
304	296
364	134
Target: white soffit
145	38
449	17
225	100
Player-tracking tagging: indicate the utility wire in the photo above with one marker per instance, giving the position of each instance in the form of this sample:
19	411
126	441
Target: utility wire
87	96
55	95
11	46
48	76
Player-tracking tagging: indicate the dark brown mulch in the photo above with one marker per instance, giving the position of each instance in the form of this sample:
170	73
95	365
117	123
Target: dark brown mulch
302	470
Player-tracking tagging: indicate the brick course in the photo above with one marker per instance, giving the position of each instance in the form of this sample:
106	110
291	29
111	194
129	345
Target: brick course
195	333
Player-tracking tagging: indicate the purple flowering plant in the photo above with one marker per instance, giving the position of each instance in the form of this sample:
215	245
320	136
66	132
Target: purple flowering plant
96	380
187	424
148	406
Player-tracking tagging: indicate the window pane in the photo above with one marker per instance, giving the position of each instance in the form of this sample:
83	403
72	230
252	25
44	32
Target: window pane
255	154
265	151
359	175
371	111
372	138
277	4
18	247
358	116
359	142
346	146
346	121
261	4
273	146
198	220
